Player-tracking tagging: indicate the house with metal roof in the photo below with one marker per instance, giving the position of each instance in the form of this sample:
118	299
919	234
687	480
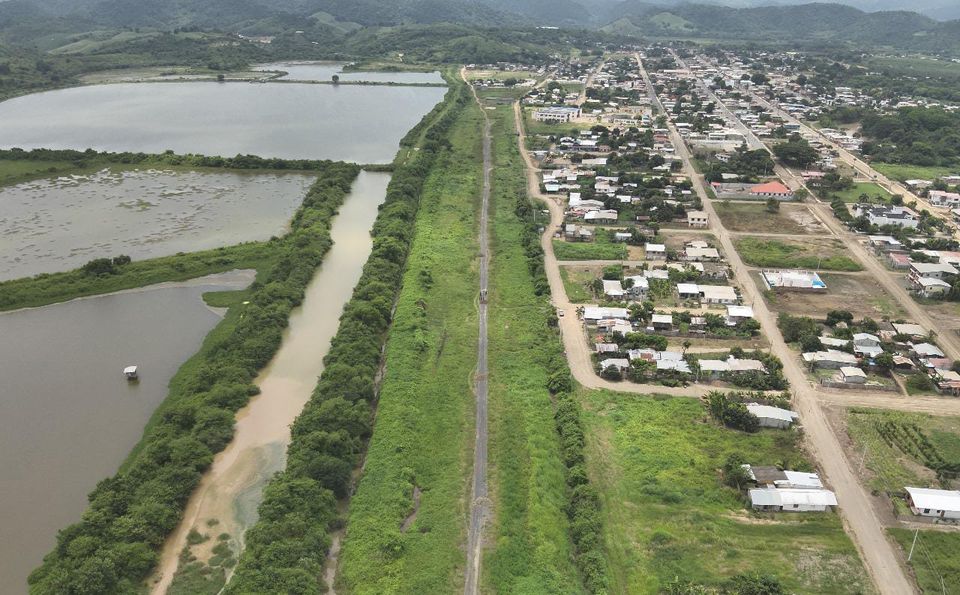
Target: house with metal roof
939	504
792	499
772	417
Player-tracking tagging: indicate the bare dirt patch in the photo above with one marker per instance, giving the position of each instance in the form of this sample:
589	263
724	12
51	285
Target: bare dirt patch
791	219
858	293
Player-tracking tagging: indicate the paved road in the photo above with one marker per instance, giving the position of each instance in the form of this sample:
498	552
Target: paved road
856	509
480	503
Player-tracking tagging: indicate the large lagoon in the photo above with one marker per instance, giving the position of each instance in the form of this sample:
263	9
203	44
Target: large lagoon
324	71
68	416
359	123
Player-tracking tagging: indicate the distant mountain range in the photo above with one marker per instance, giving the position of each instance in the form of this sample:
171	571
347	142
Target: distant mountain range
31	20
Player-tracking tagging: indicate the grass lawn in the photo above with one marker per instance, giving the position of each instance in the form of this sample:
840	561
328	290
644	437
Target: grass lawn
16	171
934	558
754	217
574	281
891	467
57	287
903	173
871	189
599	250
825	254
531	551
423	433
656	463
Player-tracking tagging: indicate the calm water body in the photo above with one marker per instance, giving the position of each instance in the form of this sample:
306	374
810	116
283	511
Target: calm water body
324	71
58	224
68	416
363	124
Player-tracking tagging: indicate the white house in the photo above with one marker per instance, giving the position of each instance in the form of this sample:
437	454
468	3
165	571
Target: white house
930	287
637	286
688	291
772	417
718	294
737	314
697	219
656	251
791	499
595	313
852	375
940	504
887	215
830	359
613	289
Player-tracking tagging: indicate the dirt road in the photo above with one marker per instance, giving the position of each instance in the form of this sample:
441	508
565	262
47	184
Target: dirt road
480	503
856	510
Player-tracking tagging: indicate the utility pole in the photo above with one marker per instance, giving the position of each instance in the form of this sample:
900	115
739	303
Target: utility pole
914	544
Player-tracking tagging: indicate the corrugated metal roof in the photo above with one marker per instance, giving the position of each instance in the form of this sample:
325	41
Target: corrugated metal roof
935	499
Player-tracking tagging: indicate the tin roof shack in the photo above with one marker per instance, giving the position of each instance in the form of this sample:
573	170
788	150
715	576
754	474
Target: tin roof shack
792	500
937	504
772	417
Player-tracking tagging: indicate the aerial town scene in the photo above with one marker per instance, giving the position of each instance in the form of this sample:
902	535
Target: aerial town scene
478	296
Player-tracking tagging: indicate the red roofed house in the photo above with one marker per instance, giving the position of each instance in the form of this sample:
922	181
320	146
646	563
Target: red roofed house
772	190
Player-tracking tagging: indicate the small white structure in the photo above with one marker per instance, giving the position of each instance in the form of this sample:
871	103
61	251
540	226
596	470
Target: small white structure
613	289
772	417
851	375
655	251
792	499
941	504
697	219
595	313
799	480
718	294
130	372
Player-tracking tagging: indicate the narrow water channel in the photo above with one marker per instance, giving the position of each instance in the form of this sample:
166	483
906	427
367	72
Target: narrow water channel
232	489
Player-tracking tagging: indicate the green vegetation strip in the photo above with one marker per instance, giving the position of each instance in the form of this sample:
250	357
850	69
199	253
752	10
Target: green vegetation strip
533	551
422	435
669	520
589	250
46	289
115	545
935	561
776	254
286	549
18	165
906	449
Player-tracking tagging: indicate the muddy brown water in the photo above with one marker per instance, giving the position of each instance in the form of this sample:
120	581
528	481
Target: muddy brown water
68	416
232	489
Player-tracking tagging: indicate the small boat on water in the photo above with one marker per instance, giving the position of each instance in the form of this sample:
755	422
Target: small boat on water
130	372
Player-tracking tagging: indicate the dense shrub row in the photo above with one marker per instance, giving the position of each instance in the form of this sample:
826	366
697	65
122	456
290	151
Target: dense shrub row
583	506
285	550
92	157
114	546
